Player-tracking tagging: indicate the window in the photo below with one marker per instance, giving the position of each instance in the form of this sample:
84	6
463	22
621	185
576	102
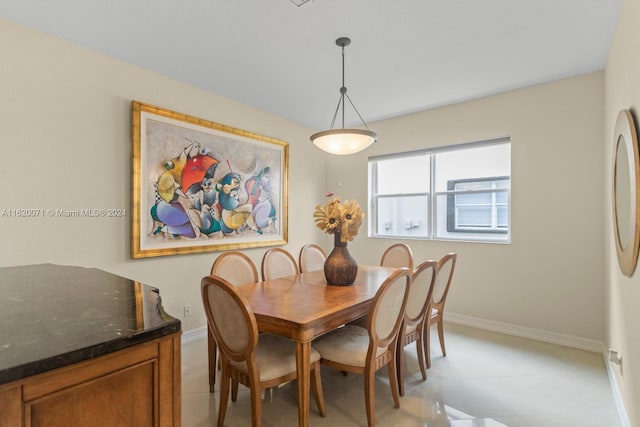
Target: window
459	192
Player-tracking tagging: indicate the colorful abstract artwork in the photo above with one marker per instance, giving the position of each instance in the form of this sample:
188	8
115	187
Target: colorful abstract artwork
200	186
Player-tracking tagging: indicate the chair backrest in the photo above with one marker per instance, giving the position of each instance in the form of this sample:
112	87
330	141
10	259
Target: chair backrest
229	318
278	262
386	313
422	284
446	266
311	258
397	255
236	268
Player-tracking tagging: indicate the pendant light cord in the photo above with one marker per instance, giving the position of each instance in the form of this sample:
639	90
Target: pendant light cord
343	93
343	89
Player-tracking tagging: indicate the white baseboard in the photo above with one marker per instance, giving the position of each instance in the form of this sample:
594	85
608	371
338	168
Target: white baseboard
622	412
194	335
520	331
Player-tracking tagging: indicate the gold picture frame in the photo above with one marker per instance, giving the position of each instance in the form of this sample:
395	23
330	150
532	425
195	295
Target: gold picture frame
200	186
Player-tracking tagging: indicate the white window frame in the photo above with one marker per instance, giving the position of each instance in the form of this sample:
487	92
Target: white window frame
432	196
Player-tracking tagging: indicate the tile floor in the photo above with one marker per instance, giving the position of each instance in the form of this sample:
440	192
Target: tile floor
486	380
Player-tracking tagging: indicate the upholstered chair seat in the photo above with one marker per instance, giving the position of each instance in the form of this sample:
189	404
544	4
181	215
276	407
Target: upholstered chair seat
275	357
410	329
348	345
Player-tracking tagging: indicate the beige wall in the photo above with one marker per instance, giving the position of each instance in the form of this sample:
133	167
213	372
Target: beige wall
65	133
622	91
550	277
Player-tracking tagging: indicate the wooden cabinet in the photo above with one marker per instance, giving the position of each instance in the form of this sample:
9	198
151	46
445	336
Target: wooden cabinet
138	386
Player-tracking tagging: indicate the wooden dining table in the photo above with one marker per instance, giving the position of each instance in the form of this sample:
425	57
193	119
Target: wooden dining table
303	307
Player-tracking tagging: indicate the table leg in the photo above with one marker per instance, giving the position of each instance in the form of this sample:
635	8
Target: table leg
303	368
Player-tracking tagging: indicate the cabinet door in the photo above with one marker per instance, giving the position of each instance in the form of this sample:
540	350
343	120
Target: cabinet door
123	398
11	406
138	386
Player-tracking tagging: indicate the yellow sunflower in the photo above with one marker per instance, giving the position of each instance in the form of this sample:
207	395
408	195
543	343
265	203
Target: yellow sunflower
335	217
351	220
327	219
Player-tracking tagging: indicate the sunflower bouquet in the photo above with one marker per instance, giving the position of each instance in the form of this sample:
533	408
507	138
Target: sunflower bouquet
344	218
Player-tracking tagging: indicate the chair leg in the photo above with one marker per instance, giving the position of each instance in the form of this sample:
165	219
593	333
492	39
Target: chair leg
256	404
426	337
224	398
316	385
400	366
393	381
441	335
213	351
234	390
369	395
420	351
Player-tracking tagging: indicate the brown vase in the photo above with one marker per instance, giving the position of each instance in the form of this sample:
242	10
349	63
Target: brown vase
340	268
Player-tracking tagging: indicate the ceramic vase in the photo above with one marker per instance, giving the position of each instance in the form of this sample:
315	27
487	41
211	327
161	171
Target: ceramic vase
340	269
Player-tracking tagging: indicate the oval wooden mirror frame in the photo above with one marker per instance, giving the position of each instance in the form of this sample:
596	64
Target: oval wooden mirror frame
626	198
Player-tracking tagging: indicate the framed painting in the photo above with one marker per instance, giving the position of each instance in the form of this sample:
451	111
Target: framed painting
199	186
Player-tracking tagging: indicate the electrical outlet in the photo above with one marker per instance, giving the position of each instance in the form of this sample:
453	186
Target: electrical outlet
614	357
187	310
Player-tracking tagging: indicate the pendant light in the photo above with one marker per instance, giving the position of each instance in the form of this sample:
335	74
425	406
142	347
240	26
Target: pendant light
344	141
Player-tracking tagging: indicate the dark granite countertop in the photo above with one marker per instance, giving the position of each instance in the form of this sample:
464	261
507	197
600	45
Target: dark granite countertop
52	316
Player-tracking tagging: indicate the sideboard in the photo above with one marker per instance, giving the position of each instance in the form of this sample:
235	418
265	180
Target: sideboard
83	347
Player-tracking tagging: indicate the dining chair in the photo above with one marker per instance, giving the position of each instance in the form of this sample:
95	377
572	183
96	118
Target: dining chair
445	269
312	257
256	361
278	262
422	282
238	269
397	255
365	351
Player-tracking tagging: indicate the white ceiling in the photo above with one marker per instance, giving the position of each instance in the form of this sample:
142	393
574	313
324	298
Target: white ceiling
405	55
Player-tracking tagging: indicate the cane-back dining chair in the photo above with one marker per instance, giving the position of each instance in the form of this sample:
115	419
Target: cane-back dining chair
365	351
411	330
397	255
446	267
256	361
311	258
278	262
238	269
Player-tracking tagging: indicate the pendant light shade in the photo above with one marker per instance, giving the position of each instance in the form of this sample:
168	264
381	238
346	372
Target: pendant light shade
344	141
